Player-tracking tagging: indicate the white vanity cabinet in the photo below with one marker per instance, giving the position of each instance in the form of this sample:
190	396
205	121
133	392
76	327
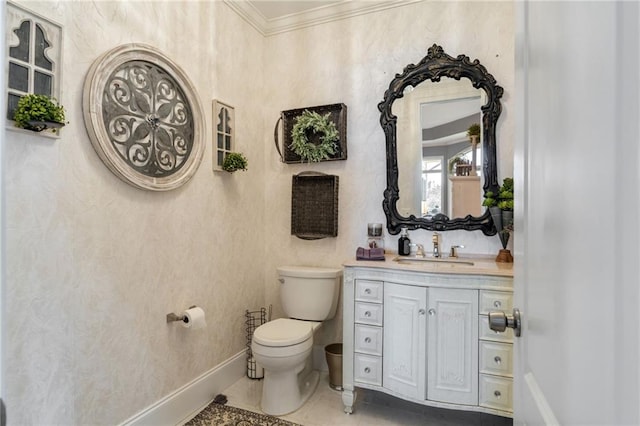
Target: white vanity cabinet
367	332
432	333
424	337
452	348
496	354
404	366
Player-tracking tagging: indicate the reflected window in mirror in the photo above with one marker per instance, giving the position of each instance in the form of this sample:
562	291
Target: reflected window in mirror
433	183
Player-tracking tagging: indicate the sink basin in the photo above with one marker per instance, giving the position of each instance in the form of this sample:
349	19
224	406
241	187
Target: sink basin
412	259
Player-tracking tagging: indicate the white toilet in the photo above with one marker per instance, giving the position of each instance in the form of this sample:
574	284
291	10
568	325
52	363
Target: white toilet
282	347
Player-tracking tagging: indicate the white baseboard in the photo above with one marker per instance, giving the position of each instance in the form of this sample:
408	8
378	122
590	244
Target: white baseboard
183	404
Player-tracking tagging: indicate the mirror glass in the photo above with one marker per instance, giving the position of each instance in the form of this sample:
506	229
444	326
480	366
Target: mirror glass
436	176
438	172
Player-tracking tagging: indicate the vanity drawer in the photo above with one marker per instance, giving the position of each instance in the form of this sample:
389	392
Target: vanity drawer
368	339
495	301
496	358
485	333
496	392
367	369
368	313
369	291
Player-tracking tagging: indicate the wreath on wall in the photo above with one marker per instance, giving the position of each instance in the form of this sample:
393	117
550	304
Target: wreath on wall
320	125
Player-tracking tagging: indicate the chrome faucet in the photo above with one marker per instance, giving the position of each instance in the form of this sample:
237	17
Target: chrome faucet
454	252
436	244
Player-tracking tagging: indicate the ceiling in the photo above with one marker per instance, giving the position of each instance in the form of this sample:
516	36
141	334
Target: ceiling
273	17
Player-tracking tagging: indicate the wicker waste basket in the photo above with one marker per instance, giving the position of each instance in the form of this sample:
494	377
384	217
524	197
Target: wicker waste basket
333	353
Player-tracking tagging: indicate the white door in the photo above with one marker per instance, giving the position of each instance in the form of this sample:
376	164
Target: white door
3	113
577	213
452	346
404	348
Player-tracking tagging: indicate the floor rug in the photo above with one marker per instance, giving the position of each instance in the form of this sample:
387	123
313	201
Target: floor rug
223	415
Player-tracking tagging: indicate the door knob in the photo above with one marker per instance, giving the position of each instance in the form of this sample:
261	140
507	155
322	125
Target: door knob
499	321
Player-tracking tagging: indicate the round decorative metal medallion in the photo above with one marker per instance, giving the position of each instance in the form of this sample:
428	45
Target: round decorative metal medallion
143	117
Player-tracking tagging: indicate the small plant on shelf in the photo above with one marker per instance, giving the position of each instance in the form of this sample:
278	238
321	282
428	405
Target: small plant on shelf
473	130
234	161
459	166
38	113
453	163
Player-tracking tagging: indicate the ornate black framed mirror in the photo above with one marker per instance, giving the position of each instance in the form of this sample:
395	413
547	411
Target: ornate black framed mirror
427	179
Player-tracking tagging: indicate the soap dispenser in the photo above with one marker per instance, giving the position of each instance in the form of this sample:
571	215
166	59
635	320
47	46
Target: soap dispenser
404	243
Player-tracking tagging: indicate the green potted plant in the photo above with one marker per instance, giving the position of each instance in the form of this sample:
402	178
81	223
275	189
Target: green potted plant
505	196
474	137
38	113
458	161
234	161
452	164
473	130
490	199
501	209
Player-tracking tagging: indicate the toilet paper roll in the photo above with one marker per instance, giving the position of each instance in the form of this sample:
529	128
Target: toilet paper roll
194	318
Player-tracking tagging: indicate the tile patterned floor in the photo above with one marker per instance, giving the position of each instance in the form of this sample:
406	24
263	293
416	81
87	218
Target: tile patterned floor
372	408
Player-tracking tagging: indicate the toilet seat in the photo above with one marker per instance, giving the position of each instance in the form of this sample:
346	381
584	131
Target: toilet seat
284	332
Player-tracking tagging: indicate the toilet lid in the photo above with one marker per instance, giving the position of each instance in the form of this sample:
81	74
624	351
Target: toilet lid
283	332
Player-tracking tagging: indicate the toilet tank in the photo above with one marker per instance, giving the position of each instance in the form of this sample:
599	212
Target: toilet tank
309	293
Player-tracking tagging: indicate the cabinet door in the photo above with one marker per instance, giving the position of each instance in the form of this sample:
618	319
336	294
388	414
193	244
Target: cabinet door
452	374
404	348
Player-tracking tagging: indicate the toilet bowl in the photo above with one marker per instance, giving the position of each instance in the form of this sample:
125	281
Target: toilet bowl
283	348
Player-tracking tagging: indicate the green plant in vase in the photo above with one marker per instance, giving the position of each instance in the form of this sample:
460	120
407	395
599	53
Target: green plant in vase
474	137
473	130
501	209
234	161
454	163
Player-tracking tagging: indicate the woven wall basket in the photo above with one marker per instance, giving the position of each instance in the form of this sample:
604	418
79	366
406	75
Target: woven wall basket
314	206
338	114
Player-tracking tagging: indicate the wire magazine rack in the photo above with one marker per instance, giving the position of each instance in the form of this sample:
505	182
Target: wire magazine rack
253	320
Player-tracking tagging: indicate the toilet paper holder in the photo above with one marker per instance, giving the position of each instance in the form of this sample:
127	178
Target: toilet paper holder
175	317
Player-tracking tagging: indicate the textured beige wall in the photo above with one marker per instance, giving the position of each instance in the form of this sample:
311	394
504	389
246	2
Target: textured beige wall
353	61
94	265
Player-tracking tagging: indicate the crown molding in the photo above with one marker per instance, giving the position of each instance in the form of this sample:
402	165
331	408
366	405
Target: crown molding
315	16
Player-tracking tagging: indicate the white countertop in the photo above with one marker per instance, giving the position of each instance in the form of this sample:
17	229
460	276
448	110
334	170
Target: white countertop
482	265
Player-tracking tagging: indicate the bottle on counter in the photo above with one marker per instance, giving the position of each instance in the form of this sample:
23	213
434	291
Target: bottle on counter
404	243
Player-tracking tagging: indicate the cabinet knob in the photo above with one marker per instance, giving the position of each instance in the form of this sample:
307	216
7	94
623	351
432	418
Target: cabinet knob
367	314
497	304
367	290
498	360
432	312
497	394
367	339
422	312
368	370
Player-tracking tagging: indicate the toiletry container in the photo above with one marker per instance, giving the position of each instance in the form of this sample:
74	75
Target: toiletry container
404	243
